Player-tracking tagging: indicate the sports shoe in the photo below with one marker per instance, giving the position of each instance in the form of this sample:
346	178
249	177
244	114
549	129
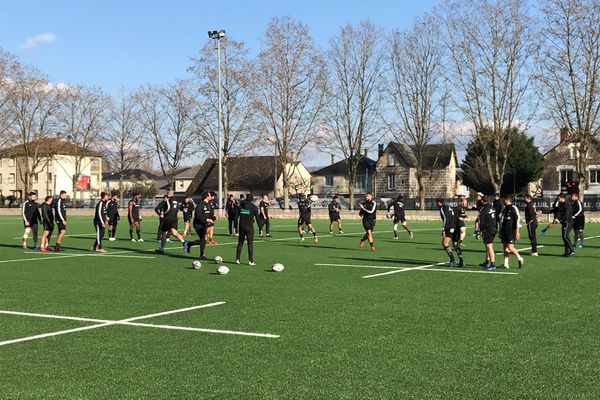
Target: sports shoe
25	247
140	240
100	251
491	268
133	240
484	266
43	249
341	232
331	232
112	239
49	248
461	264
159	251
543	233
212	241
579	246
533	254
186	247
520	263
451	263
316	239
237	261
412	236
203	257
268	235
169	240
505	266
251	263
302	239
373	248
395	237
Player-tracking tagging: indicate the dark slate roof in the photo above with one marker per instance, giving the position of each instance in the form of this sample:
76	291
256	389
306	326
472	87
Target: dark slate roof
438	155
130	174
256	173
189	173
339	168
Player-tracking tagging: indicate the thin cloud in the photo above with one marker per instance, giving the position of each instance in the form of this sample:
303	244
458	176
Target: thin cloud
33	42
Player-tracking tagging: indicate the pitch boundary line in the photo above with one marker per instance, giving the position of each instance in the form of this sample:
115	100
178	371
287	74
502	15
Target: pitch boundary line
359	266
100	323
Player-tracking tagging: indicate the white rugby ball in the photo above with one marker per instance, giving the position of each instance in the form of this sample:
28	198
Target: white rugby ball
278	267
222	270
196	264
218	259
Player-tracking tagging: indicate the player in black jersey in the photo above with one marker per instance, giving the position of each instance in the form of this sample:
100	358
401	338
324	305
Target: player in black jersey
47	213
264	223
168	211
488	227
368	212
187	209
248	214
334	208
555	219
460	216
305	210
61	219
100	222
231	210
112	210
134	218
498	205
531	213
565	216
578	221
510	225
202	217
214	205
399	216
31	218
158	211
448	228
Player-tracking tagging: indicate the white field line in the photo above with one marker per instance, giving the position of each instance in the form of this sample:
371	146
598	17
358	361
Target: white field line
44	256
470	271
74	234
128	322
405	270
359	266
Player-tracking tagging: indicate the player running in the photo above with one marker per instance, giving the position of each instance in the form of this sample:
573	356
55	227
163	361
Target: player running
263	213
201	221
31	218
100	221
112	210
168	212
531	213
399	216
187	208
248	214
231	210
47	222
460	230
334	209
61	219
368	212
134	218
510	225
449	226
305	210
488	227
578	221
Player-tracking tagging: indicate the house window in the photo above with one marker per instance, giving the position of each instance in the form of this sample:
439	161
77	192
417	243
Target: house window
594	176
566	176
95	164
11	178
391	182
361	182
329	180
34	178
180	184
11	162
391	160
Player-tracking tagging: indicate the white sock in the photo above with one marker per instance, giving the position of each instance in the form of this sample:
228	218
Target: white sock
506	261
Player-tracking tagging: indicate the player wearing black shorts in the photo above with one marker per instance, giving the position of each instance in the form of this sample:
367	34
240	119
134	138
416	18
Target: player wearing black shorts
263	213
531	214
399	216
202	218
488	227
555	220
158	211
214	205
565	217
305	210
187	209
248	214
31	218
47	213
578	221
510	225
168	211
334	208
368	212
460	216
448	228
134	218
100	221
231	209
112	210
61	219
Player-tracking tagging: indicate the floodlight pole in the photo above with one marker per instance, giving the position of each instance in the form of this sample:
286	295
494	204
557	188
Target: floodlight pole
218	35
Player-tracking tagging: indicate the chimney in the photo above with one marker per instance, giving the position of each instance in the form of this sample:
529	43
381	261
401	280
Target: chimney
333	159
366	153
564	134
380	150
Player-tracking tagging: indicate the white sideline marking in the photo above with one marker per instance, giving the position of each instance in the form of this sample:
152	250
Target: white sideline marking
54	256
359	266
404	270
471	271
129	322
71	235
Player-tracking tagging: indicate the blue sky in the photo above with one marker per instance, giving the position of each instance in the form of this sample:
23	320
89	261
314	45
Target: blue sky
127	43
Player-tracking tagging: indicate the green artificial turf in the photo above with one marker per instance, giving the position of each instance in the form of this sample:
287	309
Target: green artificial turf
419	334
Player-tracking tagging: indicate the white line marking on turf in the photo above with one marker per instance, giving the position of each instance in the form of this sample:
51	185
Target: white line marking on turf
404	270
471	271
128	321
359	266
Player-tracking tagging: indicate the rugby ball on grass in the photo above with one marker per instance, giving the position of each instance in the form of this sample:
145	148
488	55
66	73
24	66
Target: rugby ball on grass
196	264
222	270
278	267
218	260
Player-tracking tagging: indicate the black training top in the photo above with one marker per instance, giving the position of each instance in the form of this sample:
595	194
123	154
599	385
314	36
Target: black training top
31	212
47	213
170	208
510	219
460	214
304	208
334	208
61	210
265	206
187	209
530	213
112	209
487	219
398	207
447	216
248	213
202	214
135	210
369	210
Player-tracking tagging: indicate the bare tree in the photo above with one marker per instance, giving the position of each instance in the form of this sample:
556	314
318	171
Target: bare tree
354	94
570	73
9	68
417	90
167	114
83	118
289	80
236	111
492	46
123	146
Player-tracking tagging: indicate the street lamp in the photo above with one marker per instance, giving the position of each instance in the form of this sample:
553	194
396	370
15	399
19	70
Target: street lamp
217	36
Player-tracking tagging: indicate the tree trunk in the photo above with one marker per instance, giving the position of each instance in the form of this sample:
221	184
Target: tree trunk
421	191
225	179
350	195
